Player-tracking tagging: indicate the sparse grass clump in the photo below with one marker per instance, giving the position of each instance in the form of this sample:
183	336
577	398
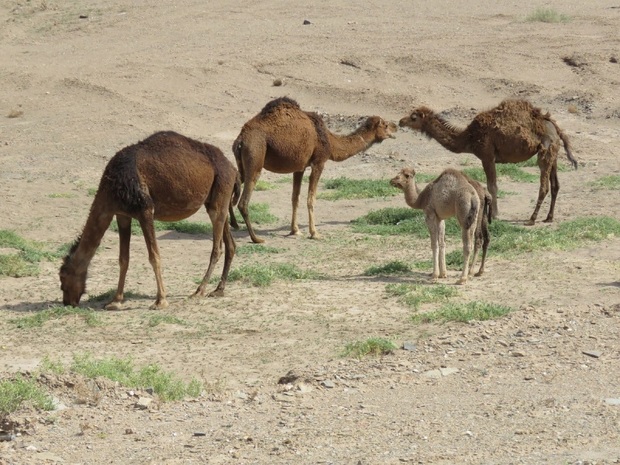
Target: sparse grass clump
392	268
510	170
263	275
159	318
122	370
256	249
183	226
259	214
56	313
373	346
415	295
404	220
22	390
547	15
345	188
25	261
264	186
607	182
463	312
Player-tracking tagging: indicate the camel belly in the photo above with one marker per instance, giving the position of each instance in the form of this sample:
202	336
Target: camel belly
174	213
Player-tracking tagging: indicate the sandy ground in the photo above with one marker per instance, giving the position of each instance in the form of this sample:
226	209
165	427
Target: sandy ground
80	80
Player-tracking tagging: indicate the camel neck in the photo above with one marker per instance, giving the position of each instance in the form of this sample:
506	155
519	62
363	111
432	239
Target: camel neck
412	195
343	147
448	136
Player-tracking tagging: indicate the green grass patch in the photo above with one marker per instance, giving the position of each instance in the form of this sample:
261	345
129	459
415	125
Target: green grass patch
403	220
463	312
373	346
38	319
166	385
61	195
345	188
607	182
415	295
183	226
21	390
509	170
392	268
264	275
454	260
91	192
25	261
159	318
256	249
259	214
547	15
264	186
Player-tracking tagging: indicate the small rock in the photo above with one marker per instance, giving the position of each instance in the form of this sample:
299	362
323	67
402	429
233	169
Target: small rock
277	82
31	448
517	354
306	22
410	346
612	401
592	353
328	384
150	390
143	403
6	436
448	371
199	433
613	60
241	395
304	388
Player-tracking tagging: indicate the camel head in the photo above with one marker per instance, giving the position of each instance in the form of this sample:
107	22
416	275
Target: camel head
379	127
416	119
72	282
402	179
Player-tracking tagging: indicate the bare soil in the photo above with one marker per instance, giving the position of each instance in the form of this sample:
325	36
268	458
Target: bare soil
80	80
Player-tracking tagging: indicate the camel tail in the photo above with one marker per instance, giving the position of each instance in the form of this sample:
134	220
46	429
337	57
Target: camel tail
566	143
473	210
236	149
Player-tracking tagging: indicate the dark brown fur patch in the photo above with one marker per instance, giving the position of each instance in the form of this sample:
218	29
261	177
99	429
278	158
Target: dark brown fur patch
281	101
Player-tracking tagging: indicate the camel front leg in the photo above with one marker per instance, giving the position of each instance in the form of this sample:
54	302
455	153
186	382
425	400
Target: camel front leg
443	272
545	173
491	175
297	179
148	229
315	175
124	234
433	229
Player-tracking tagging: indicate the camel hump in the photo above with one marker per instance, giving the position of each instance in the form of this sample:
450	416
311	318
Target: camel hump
275	104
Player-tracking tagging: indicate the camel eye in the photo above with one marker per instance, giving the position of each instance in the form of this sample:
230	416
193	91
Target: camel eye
413	116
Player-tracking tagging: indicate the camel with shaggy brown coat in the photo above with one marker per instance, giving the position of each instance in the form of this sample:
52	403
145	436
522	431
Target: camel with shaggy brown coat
512	132
165	177
283	138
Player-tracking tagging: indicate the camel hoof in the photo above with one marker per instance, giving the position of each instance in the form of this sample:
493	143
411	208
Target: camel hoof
217	293
114	306
159	305
530	222
293	233
316	236
461	281
258	240
548	220
480	273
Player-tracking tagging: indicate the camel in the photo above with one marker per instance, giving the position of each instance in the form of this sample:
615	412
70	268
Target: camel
450	194
282	138
512	132
165	177
483	236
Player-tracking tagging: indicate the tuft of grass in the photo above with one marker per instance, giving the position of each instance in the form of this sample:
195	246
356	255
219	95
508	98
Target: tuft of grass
159	318
61	195
264	186
22	390
345	188
396	267
415	295
25	261
259	214
264	275
607	182
256	249
391	221
166	385
52	366
463	312
454	260
91	191
183	226
547	15
58	312
372	346
16	266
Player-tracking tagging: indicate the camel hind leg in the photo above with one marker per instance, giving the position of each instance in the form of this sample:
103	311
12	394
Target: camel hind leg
297	179
315	175
433	224
148	229
555	188
545	162
124	234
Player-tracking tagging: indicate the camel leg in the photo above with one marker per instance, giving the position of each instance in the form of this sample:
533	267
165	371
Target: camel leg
486	239
124	234
297	179
545	173
433	228
244	201
148	229
443	271
555	188
221	234
315	175
491	174
233	218
468	237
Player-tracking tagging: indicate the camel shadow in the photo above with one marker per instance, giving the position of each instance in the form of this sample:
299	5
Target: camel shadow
30	307
611	284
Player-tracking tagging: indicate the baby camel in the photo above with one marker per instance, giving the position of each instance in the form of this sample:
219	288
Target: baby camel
165	177
283	138
451	194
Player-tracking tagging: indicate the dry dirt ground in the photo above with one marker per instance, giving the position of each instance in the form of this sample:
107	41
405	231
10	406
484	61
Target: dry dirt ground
81	80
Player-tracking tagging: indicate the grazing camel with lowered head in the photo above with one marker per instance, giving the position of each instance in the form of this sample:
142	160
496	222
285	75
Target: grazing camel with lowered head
451	194
282	138
165	177
512	132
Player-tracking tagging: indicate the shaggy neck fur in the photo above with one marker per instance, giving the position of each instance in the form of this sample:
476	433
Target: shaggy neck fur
450	137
